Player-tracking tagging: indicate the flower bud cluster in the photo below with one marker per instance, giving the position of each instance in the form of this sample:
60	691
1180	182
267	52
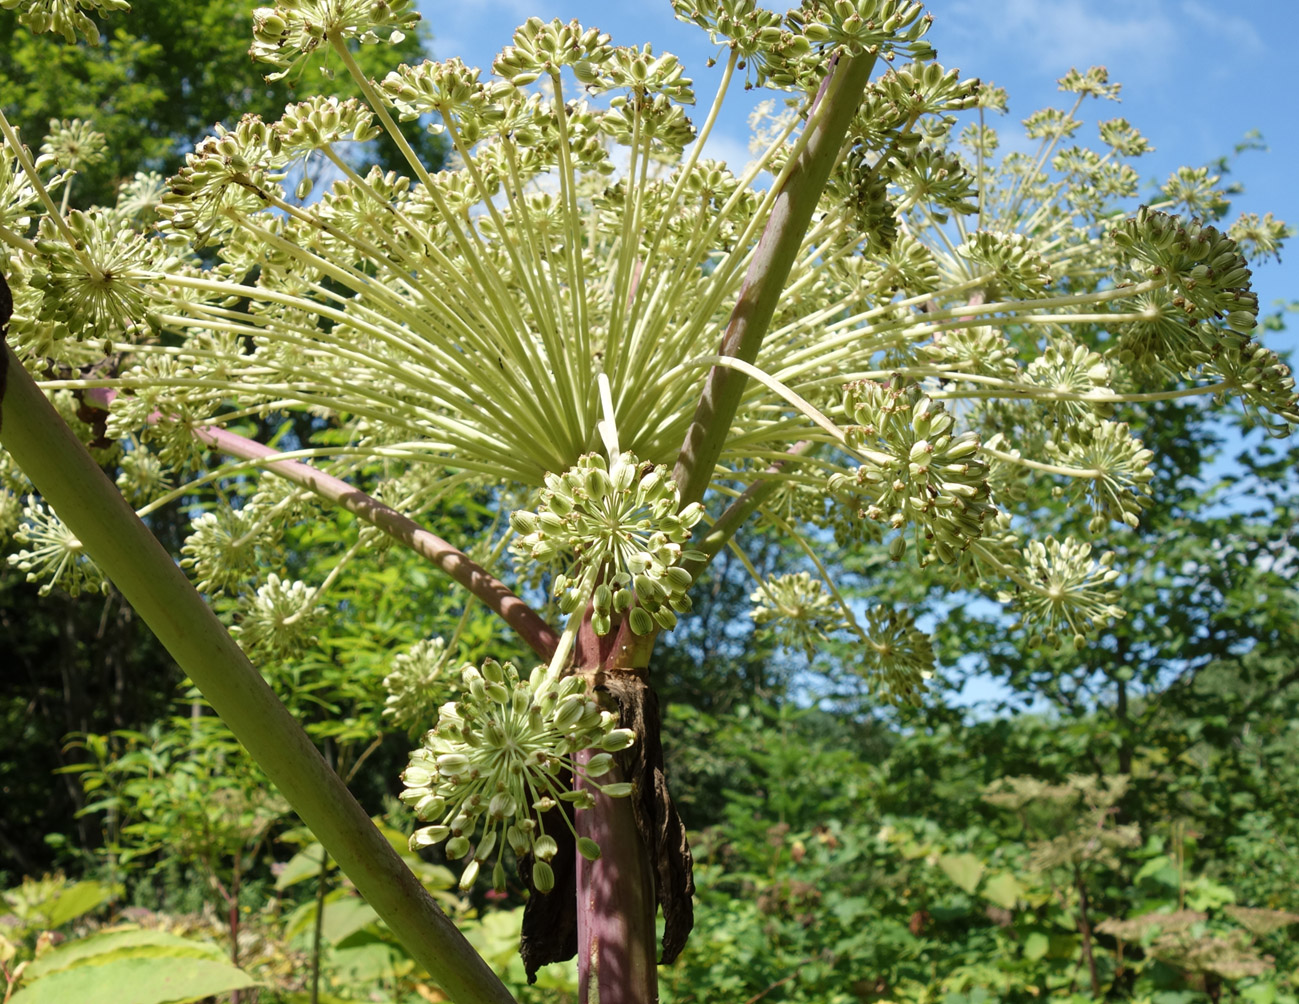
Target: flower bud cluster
226	546
417	684
1120	135
17	196
71	144
1259	237
916	471
1095	81
862	189
1118	484
143	476
1072	372
542	48
866	26
93	285
280	620
1264	382
652	119
644	74
1064	590
905	264
899	657
320	121
54	556
925	89
1197	191
981	350
1203	265
497	760
63	16
287	34
619	533
798	610
224	173
739	26
1017	267
936	180
449	88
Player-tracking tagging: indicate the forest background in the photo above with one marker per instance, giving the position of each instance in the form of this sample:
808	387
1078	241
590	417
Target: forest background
845	851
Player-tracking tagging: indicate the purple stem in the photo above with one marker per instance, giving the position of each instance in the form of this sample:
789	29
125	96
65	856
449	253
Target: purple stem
498	597
615	904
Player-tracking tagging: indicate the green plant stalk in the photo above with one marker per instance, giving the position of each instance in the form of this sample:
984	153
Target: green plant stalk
781	240
78	490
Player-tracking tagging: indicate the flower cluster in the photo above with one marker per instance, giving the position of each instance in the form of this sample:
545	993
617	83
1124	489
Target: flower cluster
619	533
899	657
1065	590
417	684
916	472
71	144
63	16
1201	277
798	609
498	759
1017	268
289	33
280	620
1115	472
54	555
92	282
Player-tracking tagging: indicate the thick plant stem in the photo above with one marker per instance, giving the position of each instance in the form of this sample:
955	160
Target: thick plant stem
74	486
830	116
616	897
616	942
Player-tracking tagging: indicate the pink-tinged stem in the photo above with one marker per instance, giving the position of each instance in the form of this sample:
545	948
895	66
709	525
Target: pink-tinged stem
498	597
616	954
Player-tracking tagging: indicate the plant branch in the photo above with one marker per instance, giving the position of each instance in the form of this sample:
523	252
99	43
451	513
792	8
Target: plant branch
497	596
741	508
828	122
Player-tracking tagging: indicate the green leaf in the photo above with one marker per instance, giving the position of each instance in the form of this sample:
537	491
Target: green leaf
302	866
963	869
158	980
77	899
1036	945
345	914
1003	890
120	944
1161	870
1259	993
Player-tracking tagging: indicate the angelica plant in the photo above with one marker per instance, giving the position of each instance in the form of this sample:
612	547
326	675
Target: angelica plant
867	337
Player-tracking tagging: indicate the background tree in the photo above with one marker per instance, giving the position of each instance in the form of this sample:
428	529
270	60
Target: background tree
159	80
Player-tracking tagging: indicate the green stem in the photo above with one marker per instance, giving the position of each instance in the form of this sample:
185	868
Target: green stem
78	490
772	260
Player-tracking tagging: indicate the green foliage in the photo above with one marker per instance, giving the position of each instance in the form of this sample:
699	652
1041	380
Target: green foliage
160	78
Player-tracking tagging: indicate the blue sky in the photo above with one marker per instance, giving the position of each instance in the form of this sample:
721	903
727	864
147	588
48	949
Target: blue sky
1197	76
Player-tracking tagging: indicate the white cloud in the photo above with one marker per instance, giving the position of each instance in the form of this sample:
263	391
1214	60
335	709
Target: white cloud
1054	35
